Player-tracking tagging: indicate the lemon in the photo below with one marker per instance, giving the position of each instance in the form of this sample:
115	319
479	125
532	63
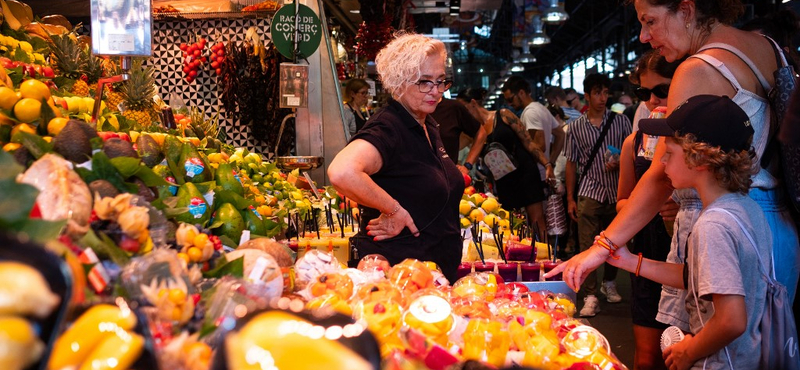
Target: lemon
8	98
24	127
490	205
34	89
490	220
464	207
56	125
28	110
10	147
477	199
465	223
476	215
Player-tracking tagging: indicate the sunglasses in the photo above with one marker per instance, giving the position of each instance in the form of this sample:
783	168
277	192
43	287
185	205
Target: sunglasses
659	90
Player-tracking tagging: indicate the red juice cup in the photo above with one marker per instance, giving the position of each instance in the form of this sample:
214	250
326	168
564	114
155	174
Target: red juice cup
529	271
508	271
484	266
463	269
549	265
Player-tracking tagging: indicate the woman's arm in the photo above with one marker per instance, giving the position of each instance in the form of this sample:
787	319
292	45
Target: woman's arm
349	173
728	323
627	175
661	272
477	145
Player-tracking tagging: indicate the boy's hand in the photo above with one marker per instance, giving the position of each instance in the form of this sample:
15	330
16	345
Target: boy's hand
572	209
676	356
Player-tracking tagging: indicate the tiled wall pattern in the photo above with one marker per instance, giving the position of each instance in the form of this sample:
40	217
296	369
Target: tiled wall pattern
203	91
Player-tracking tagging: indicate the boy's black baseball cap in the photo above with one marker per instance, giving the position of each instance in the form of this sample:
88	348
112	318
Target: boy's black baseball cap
712	119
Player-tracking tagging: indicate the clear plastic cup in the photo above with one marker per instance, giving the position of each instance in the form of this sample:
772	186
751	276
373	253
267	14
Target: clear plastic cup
529	271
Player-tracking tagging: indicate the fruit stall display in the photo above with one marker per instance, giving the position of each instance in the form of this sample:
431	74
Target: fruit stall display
169	248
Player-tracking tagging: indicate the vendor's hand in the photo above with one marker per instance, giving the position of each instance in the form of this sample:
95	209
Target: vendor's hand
669	210
612	166
384	226
572	209
676	356
577	268
464	170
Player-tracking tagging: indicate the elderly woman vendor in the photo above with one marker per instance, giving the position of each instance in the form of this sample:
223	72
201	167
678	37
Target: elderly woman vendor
396	167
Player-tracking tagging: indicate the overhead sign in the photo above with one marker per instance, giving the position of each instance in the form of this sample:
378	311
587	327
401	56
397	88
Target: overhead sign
309	31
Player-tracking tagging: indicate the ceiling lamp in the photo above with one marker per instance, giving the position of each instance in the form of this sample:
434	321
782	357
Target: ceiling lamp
538	38
555	13
525	57
516	67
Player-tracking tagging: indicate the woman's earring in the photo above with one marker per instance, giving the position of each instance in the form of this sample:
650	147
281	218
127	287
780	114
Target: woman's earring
687	26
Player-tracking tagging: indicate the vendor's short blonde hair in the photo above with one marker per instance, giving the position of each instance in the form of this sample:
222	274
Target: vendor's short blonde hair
399	61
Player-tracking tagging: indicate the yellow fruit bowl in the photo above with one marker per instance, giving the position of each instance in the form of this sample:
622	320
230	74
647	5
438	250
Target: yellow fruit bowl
299	162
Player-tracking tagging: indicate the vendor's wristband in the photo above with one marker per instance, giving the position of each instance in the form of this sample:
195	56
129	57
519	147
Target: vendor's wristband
468	165
602	243
396	209
607	240
548	164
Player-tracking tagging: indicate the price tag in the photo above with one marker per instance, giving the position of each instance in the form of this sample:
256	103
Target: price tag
121	42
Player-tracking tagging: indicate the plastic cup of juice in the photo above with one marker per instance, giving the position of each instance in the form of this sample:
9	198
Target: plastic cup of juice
508	271
529	271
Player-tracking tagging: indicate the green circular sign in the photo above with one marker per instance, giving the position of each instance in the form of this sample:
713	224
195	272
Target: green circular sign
283	31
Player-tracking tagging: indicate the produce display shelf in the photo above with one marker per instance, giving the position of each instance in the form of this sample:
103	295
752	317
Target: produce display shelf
177	16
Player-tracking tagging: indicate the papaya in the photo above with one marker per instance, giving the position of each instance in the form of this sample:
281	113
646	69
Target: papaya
227	179
194	168
172	148
198	209
254	221
232	222
149	150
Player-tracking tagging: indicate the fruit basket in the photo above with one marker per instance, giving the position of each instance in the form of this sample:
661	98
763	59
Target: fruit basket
299	162
202	9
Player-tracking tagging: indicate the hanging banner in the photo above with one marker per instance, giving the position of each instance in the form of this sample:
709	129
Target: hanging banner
309	31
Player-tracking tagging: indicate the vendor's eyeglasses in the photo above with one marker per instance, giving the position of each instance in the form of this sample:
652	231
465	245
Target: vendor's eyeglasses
425	86
660	91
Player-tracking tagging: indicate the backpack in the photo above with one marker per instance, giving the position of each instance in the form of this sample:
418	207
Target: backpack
496	157
779	349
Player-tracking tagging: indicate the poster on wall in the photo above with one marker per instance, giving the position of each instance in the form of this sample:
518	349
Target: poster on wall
122	27
294	85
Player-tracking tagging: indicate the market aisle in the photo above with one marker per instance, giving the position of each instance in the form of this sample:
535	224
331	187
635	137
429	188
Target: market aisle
614	320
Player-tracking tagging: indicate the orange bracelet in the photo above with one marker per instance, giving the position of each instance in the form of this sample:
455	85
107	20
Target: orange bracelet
605	245
638	265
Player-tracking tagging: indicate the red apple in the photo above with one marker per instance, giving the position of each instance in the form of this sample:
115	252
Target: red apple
124	136
467	180
129	245
469	190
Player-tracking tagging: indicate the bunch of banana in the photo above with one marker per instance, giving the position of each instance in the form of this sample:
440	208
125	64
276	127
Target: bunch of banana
44	30
102	338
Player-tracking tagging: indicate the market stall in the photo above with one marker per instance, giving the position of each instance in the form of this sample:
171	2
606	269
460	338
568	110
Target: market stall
139	236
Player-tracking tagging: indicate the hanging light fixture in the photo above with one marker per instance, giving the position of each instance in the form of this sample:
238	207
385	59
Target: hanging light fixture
526	57
538	38
555	13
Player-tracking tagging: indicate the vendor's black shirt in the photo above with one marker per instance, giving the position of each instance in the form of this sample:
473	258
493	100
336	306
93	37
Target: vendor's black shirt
425	183
454	119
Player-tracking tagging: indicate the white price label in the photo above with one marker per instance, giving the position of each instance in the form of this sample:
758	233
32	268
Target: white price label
121	42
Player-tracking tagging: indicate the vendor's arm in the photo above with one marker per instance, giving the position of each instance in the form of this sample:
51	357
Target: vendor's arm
728	323
627	175
349	173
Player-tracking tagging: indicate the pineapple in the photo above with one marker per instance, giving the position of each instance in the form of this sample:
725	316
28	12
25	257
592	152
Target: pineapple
113	95
94	68
138	93
68	60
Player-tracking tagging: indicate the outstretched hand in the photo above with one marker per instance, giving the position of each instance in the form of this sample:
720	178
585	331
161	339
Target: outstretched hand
577	268
385	226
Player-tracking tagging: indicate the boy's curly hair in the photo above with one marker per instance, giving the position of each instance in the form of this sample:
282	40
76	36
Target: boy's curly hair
732	169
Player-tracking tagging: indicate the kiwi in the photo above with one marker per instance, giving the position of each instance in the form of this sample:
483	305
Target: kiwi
23	156
144	191
116	147
103	188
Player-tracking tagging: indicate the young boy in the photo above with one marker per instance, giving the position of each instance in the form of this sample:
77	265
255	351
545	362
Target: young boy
708	149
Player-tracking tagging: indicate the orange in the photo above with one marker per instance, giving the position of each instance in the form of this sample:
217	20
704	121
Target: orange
8	98
34	89
22	127
10	147
56	125
28	110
